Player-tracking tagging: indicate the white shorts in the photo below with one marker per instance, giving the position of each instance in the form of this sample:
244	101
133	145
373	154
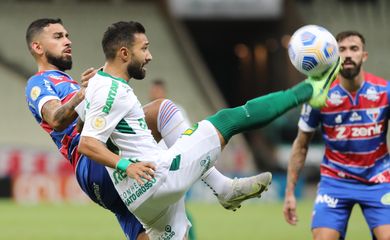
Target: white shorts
171	223
161	207
159	204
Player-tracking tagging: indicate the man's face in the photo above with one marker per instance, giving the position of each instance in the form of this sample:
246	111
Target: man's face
56	46
140	56
352	52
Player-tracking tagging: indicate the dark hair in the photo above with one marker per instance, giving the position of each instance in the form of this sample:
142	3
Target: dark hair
159	82
342	35
120	34
37	26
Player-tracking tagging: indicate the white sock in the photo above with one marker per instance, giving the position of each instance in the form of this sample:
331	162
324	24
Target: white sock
170	122
217	182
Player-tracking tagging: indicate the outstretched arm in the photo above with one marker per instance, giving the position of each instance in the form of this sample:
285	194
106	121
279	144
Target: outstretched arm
295	165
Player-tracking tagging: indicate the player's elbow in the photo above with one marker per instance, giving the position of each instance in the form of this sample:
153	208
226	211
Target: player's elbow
58	126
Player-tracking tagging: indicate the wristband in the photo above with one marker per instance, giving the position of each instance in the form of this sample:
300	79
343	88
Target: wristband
122	164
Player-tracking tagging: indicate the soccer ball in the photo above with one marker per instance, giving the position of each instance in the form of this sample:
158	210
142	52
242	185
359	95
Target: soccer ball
312	50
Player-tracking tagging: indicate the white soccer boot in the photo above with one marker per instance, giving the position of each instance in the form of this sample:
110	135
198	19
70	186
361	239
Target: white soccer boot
245	188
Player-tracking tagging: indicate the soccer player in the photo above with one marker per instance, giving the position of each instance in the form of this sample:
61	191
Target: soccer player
355	168
52	96
151	181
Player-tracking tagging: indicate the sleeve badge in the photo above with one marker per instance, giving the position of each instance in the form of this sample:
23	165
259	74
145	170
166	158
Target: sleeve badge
98	123
35	92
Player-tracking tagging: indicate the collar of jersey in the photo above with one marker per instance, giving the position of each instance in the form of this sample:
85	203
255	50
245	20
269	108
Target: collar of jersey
100	72
58	71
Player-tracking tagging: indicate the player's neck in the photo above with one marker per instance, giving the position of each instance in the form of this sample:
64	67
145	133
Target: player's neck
47	67
352	85
115	71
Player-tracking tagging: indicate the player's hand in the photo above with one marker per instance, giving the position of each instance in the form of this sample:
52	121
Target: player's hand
141	171
289	209
86	75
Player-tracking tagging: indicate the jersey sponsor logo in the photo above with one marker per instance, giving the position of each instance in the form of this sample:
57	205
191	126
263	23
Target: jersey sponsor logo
344	132
373	113
98	123
372	94
135	191
385	200
111	96
355	117
328	200
168	234
335	98
35	92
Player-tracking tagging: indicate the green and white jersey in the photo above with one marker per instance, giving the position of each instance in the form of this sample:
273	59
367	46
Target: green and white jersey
114	116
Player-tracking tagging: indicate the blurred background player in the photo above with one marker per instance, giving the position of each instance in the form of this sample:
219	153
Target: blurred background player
157	89
355	168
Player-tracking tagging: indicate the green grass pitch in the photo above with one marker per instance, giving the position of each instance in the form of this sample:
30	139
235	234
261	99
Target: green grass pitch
81	222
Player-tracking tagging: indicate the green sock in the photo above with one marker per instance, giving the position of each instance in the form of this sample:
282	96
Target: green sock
260	111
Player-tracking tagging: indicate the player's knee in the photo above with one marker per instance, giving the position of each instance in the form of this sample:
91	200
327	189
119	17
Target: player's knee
142	236
153	107
382	232
151	111
325	234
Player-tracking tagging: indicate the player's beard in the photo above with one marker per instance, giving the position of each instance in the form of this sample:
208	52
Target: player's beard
135	70
62	63
351	73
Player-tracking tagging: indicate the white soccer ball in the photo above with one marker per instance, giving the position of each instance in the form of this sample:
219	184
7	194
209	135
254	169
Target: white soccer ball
312	50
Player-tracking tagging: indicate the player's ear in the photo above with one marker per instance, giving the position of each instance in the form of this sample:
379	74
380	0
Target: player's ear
36	48
124	54
365	56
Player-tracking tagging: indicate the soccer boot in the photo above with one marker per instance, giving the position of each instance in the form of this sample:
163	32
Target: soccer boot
321	85
245	188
